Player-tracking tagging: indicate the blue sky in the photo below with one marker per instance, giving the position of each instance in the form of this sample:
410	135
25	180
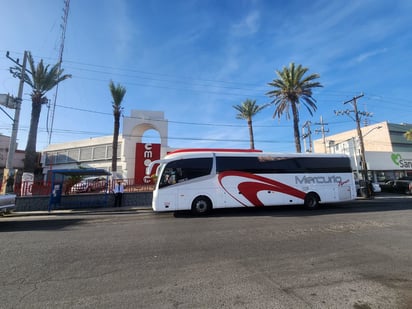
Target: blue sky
194	60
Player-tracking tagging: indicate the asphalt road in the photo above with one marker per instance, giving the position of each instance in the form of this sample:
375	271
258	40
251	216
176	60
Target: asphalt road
356	255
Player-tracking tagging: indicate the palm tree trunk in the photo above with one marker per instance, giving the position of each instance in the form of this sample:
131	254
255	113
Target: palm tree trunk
30	159
296	127
252	141
115	142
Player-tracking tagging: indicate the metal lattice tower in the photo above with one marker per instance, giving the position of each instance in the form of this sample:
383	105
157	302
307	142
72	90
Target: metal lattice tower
63	26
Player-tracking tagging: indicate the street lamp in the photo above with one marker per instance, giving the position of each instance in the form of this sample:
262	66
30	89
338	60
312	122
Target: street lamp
375	128
363	155
364	165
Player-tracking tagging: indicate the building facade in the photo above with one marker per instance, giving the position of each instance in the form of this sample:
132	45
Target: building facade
388	153
18	158
132	155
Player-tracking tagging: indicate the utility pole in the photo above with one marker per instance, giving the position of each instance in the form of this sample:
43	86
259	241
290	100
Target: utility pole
364	165
360	137
323	131
307	134
13	139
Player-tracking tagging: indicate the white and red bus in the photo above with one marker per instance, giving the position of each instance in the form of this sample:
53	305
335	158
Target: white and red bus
201	180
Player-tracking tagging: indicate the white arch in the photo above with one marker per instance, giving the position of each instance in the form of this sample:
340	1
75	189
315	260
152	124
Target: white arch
139	131
134	128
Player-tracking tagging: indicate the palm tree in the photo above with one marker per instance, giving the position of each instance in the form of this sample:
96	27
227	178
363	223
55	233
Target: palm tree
291	89
41	79
247	110
118	93
408	135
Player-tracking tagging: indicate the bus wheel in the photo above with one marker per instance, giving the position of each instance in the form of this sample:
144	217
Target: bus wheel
311	200
201	205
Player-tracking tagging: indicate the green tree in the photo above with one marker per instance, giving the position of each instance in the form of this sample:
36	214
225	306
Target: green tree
41	78
247	110
118	92
290	90
408	135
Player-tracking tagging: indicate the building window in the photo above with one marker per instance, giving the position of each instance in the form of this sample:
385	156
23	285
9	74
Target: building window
61	157
86	154
73	155
99	153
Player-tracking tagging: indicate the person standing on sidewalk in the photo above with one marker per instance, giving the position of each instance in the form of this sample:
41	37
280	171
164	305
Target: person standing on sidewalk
118	193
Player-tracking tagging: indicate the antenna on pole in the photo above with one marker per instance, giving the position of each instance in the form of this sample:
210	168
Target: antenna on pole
63	27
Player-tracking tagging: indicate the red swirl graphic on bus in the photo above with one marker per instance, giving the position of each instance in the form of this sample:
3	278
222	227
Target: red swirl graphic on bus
255	184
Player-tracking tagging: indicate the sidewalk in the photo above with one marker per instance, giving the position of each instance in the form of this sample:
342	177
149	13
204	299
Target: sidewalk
90	210
387	195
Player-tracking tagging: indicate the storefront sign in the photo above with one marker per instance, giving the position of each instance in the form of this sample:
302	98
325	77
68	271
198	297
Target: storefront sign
401	162
389	161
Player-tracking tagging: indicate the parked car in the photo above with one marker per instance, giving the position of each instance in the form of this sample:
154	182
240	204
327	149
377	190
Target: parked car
90	184
387	186
7	202
403	185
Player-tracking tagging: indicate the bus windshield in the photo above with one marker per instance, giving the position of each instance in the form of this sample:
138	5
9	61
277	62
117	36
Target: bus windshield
185	169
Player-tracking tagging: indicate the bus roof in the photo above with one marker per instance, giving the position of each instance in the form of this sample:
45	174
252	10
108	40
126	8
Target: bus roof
189	150
192	153
198	152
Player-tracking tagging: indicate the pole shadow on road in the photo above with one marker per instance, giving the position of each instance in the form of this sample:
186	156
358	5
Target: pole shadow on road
37	225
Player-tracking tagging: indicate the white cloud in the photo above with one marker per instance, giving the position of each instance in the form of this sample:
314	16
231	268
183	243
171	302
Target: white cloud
249	25
122	29
364	56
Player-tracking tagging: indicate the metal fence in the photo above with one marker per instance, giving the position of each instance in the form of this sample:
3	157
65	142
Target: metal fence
26	188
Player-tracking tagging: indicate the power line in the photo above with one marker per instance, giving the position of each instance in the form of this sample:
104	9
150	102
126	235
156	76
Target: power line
189	81
174	121
183	82
182	122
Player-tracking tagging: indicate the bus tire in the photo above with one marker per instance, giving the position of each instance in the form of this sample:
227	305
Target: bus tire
201	205
311	200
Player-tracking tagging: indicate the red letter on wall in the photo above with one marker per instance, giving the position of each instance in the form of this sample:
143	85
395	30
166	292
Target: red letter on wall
145	154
